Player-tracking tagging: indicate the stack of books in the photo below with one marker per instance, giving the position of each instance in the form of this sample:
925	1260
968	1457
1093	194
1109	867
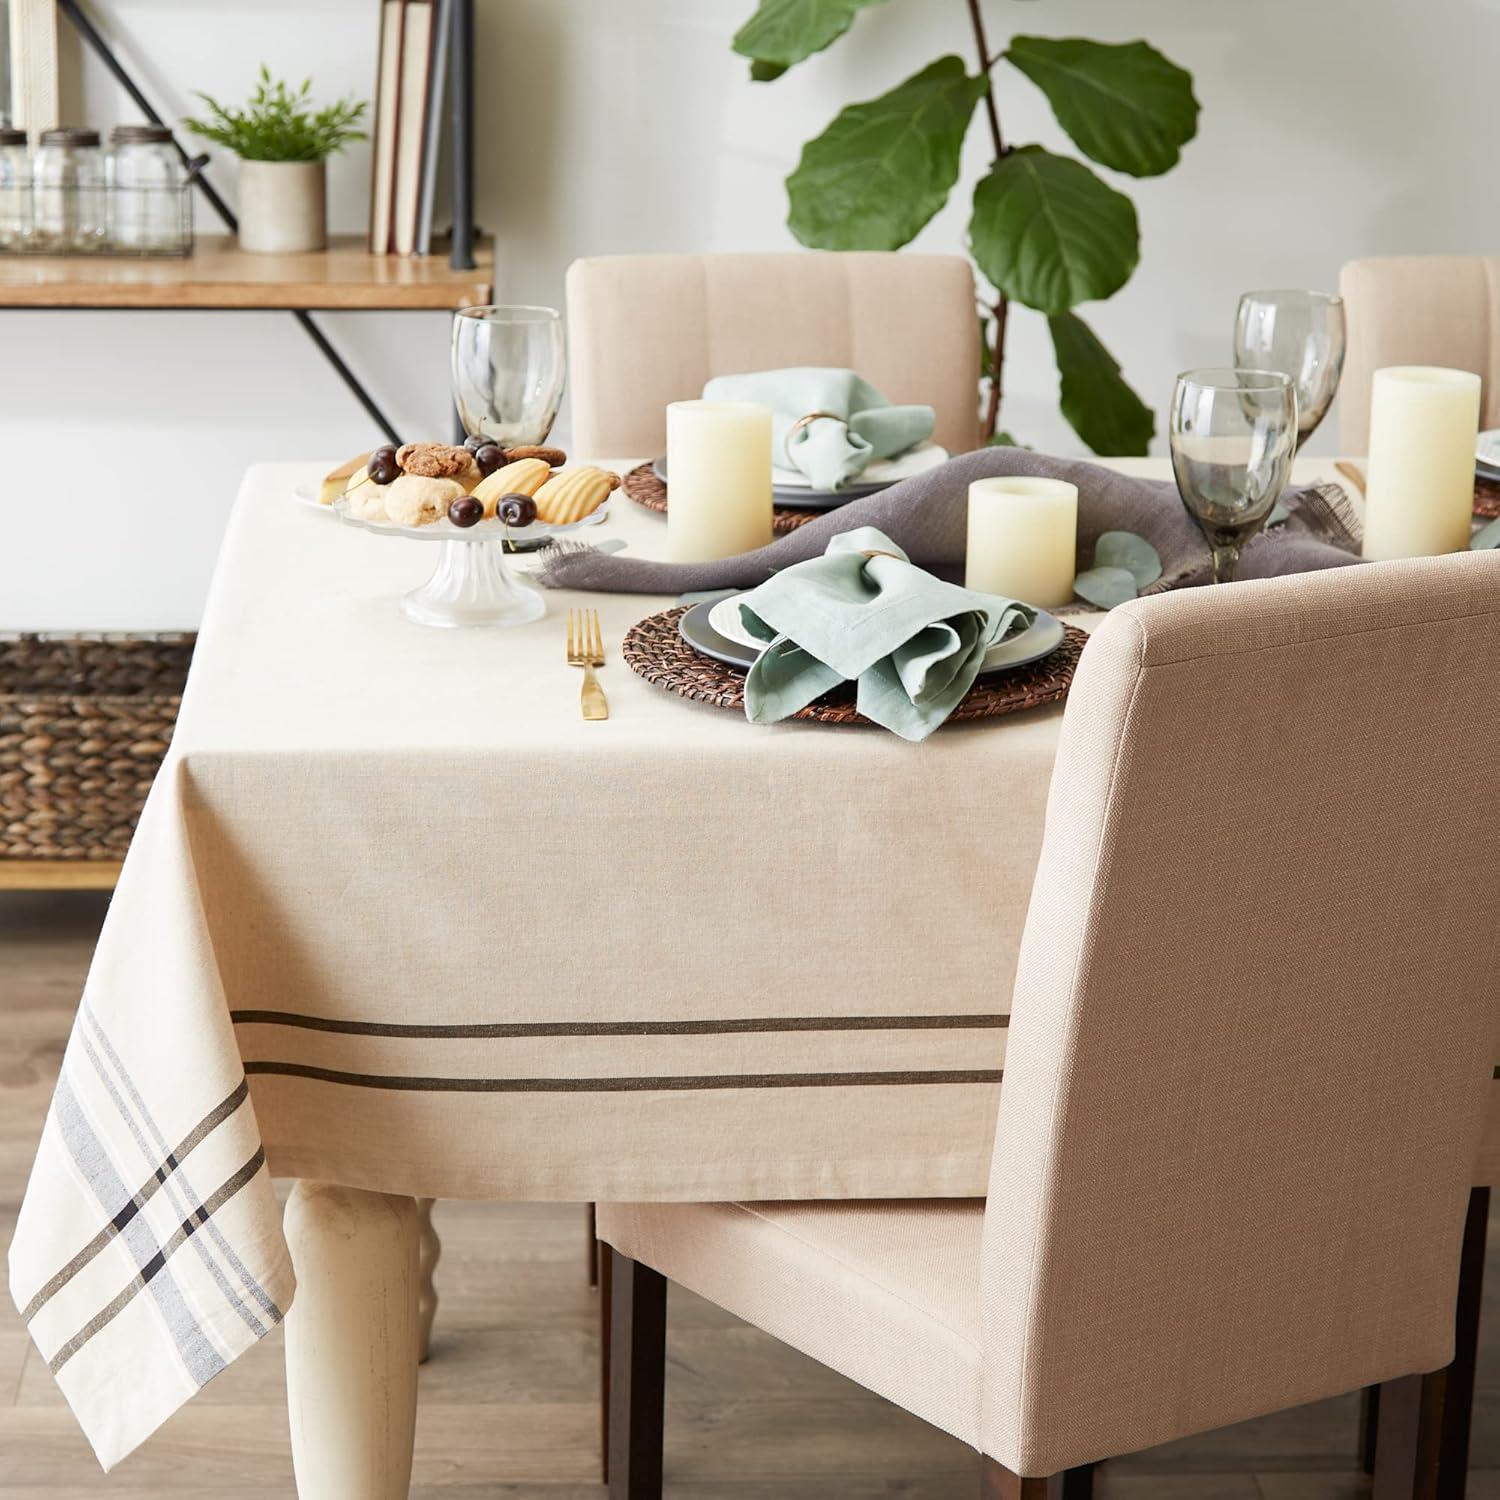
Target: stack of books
410	82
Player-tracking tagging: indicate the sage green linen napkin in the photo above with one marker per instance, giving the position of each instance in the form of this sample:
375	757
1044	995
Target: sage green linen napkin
830	453
864	613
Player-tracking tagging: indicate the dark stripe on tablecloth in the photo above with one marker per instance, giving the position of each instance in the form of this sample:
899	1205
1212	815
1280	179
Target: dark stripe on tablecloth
225	1249
661	1084
88	1151
181	1202
511	1030
215	1117
151	1273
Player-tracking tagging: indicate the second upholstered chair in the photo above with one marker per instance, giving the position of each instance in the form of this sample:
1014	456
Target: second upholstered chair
1247	1069
644	330
1418	310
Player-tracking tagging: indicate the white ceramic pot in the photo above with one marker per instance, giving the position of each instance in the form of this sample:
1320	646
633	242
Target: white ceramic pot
282	206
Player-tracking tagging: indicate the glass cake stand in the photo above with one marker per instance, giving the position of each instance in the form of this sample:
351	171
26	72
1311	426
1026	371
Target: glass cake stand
472	583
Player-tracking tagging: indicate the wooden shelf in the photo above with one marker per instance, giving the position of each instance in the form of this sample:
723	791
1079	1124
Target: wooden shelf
58	874
345	277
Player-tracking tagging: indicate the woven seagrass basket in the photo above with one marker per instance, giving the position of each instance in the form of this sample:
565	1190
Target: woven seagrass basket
84	723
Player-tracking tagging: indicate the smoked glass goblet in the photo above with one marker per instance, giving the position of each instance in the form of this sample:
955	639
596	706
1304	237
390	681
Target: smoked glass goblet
1302	335
509	367
1232	439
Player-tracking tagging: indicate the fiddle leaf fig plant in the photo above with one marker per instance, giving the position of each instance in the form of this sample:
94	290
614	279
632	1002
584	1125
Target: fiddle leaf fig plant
1046	231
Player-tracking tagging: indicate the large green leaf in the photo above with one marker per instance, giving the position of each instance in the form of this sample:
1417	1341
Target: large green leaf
1125	104
1101	408
786	31
1049	233
884	167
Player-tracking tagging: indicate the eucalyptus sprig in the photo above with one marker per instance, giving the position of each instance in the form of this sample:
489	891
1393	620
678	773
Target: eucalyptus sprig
280	124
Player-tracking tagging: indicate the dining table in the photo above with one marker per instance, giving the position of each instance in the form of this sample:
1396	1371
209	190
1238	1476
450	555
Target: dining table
399	923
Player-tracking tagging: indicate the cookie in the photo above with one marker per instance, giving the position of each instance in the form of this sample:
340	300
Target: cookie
553	457
366	501
337	480
436	461
419	499
524	477
574	494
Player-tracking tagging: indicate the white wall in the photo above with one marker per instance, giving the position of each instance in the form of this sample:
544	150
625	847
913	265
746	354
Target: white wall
1330	128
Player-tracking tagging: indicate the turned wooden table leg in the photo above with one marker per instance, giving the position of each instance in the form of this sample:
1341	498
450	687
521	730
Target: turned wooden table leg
351	1342
429	1252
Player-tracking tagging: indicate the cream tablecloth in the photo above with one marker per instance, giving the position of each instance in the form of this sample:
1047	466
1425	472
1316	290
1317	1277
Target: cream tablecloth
396	917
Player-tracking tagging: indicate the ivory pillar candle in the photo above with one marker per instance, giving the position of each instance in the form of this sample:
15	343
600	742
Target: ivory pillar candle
718	479
1023	539
1419	496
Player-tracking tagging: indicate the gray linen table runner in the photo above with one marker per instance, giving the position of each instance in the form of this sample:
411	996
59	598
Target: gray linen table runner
927	517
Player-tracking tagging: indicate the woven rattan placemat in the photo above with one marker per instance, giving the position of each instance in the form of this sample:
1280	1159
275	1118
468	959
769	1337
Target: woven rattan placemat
655	648
642	485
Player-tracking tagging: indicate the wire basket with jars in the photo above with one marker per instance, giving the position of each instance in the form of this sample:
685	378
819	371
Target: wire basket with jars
72	196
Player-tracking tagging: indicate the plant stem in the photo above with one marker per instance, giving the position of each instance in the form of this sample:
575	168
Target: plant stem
1002	303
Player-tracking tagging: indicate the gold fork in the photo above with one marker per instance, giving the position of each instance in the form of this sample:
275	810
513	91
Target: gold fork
586	650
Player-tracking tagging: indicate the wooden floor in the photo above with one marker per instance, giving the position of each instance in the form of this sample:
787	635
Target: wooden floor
508	1399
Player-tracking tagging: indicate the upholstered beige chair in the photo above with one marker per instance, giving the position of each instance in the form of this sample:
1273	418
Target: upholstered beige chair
1246	1077
644	330
1418	310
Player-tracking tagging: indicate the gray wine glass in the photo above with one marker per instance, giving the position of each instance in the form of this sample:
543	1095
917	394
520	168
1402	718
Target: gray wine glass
1233	434
1302	335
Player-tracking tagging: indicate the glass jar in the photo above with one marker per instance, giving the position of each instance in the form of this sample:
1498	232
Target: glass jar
68	203
15	190
148	199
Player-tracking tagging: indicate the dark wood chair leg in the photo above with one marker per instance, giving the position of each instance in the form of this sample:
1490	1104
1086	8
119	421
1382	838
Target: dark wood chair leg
1369	1420
637	1378
1072	1484
997	1483
1458	1401
1408	1441
599	1281
606	1281
1446	1453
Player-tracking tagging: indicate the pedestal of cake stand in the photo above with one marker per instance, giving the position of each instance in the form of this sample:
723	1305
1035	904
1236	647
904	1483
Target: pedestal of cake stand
472	584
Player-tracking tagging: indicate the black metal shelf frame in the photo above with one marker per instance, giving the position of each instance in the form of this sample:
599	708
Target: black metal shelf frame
461	97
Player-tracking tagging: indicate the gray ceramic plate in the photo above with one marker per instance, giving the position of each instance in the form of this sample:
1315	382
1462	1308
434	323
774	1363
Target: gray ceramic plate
1044	637
794	497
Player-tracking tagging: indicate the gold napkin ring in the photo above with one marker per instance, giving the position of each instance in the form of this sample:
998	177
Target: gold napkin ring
876	552
808	420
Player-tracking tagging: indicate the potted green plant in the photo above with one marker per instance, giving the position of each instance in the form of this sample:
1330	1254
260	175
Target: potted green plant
1046	231
283	144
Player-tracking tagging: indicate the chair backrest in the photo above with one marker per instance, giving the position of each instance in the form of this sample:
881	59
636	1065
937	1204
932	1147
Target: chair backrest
1418	310
1255	1012
644	330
